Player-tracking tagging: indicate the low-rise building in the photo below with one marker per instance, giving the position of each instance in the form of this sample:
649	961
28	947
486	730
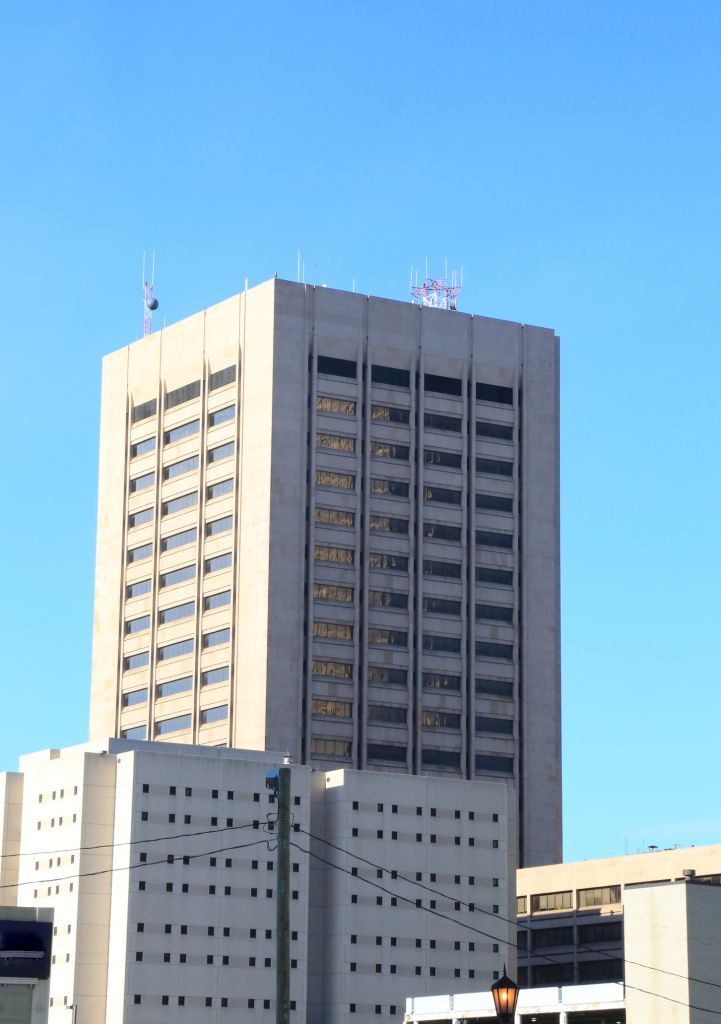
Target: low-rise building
672	951
158	862
571	916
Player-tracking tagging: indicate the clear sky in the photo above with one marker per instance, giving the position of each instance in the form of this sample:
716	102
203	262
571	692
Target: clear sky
567	154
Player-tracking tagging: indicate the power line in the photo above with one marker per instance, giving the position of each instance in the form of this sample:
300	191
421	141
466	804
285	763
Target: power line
437	892
140	864
129	842
479	931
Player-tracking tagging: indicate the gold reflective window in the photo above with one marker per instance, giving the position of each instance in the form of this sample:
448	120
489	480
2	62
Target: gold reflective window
330	748
338	406
334	669
341	556
386	524
389	414
335	442
331	708
386	450
390	637
331	592
334	516
387	599
333	630
343	481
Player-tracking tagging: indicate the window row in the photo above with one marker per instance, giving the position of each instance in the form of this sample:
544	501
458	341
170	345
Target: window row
182	466
177	612
181	575
180	504
398	754
177	649
431	420
322	707
391	376
178	396
326	668
178	723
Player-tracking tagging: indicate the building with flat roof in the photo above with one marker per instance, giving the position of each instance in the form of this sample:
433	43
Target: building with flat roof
571	916
329	524
672	950
158	864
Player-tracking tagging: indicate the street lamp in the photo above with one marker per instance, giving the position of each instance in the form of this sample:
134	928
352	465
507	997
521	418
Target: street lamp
505	997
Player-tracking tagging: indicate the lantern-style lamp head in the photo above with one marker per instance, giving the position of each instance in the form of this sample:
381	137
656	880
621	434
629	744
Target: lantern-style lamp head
505	997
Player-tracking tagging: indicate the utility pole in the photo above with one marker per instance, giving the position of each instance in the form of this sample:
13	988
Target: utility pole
279	782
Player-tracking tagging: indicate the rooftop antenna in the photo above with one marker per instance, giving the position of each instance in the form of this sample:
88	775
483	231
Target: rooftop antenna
437	292
150	303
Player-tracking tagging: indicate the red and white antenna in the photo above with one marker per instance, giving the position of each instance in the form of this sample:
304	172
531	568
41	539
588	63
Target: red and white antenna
438	292
150	303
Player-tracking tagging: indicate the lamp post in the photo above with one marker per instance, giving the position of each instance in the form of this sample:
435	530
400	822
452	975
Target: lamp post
505	997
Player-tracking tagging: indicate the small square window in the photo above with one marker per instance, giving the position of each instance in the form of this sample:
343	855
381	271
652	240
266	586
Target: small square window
495	817
183	929
226	933
165	1000
168	929
146	787
137	999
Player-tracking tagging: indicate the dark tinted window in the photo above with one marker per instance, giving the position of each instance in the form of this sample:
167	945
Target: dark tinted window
501	431
493	763
441	681
547	938
494	687
440	531
434	457
495	612
443	495
441	606
390	375
437	719
486	575
448	644
333	367
141	412
436	421
600	970
387	599
181	395
606	932
492	539
494	503
494	467
499	726
494	393
387	713
385	752
442	385
441	758
222	377
485	649
448	570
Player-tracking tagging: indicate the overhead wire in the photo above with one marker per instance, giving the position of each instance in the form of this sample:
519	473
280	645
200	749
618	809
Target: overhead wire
478	931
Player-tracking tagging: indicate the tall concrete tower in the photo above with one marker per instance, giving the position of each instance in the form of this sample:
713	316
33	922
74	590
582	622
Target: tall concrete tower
329	524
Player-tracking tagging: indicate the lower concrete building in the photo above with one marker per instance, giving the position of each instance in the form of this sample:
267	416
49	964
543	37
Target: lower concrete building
158	863
571	916
672	952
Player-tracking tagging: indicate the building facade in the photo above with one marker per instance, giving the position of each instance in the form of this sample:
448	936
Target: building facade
571	916
329	524
158	864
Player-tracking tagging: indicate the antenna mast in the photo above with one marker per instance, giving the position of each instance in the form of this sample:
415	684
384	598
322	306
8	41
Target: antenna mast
150	303
437	292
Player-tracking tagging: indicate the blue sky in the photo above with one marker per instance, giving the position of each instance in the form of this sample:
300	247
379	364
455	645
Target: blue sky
566	154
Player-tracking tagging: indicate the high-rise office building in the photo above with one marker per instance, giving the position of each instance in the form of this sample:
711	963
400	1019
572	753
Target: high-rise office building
329	524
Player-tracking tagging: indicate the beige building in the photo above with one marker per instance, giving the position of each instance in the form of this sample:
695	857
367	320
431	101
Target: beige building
329	524
672	952
571	916
158	863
